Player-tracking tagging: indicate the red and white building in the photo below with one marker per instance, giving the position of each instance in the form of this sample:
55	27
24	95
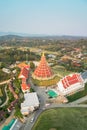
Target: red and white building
25	87
70	84
24	75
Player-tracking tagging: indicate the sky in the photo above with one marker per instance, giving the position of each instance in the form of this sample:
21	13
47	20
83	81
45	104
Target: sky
50	17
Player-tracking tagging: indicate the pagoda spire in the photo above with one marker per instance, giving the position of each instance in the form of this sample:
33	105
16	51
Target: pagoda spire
43	54
43	70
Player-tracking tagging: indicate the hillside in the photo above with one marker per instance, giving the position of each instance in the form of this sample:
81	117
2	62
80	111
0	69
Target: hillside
48	41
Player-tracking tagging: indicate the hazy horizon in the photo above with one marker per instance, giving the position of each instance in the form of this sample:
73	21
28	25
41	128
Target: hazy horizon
42	35
44	17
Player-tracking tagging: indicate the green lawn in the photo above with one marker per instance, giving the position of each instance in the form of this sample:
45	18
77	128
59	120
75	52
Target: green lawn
61	70
62	119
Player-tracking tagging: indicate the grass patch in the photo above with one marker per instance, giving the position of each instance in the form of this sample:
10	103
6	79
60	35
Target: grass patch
62	119
78	95
61	70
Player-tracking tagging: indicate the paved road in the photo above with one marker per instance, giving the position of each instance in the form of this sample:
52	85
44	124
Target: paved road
43	97
6	98
53	105
5	82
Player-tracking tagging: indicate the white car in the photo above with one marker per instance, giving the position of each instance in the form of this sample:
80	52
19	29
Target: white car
32	119
18	126
43	108
47	104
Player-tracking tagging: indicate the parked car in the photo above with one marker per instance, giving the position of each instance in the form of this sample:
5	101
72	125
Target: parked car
32	119
47	104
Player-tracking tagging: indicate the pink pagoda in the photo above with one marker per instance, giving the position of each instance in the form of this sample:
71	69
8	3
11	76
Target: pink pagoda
43	71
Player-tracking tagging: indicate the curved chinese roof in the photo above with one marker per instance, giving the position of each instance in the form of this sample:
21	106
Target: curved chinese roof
43	70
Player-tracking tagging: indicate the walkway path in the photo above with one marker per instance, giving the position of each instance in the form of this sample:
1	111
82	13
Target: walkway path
53	105
78	101
5	82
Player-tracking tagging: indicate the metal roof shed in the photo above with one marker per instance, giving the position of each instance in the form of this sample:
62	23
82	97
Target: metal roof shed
52	93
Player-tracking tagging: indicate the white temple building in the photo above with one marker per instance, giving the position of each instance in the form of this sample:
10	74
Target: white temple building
70	84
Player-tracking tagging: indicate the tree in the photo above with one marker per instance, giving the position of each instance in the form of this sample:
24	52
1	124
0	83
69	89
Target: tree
2	65
32	65
17	112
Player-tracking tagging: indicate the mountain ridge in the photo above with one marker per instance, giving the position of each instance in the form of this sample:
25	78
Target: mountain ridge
38	35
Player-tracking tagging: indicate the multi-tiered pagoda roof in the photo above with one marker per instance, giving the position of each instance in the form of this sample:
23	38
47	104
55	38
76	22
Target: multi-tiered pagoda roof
43	71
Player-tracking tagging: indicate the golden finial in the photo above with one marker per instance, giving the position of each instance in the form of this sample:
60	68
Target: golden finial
43	54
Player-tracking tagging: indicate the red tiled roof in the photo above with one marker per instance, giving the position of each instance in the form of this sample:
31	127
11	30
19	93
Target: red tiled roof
76	64
70	80
27	67
23	80
25	86
43	70
22	65
24	73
